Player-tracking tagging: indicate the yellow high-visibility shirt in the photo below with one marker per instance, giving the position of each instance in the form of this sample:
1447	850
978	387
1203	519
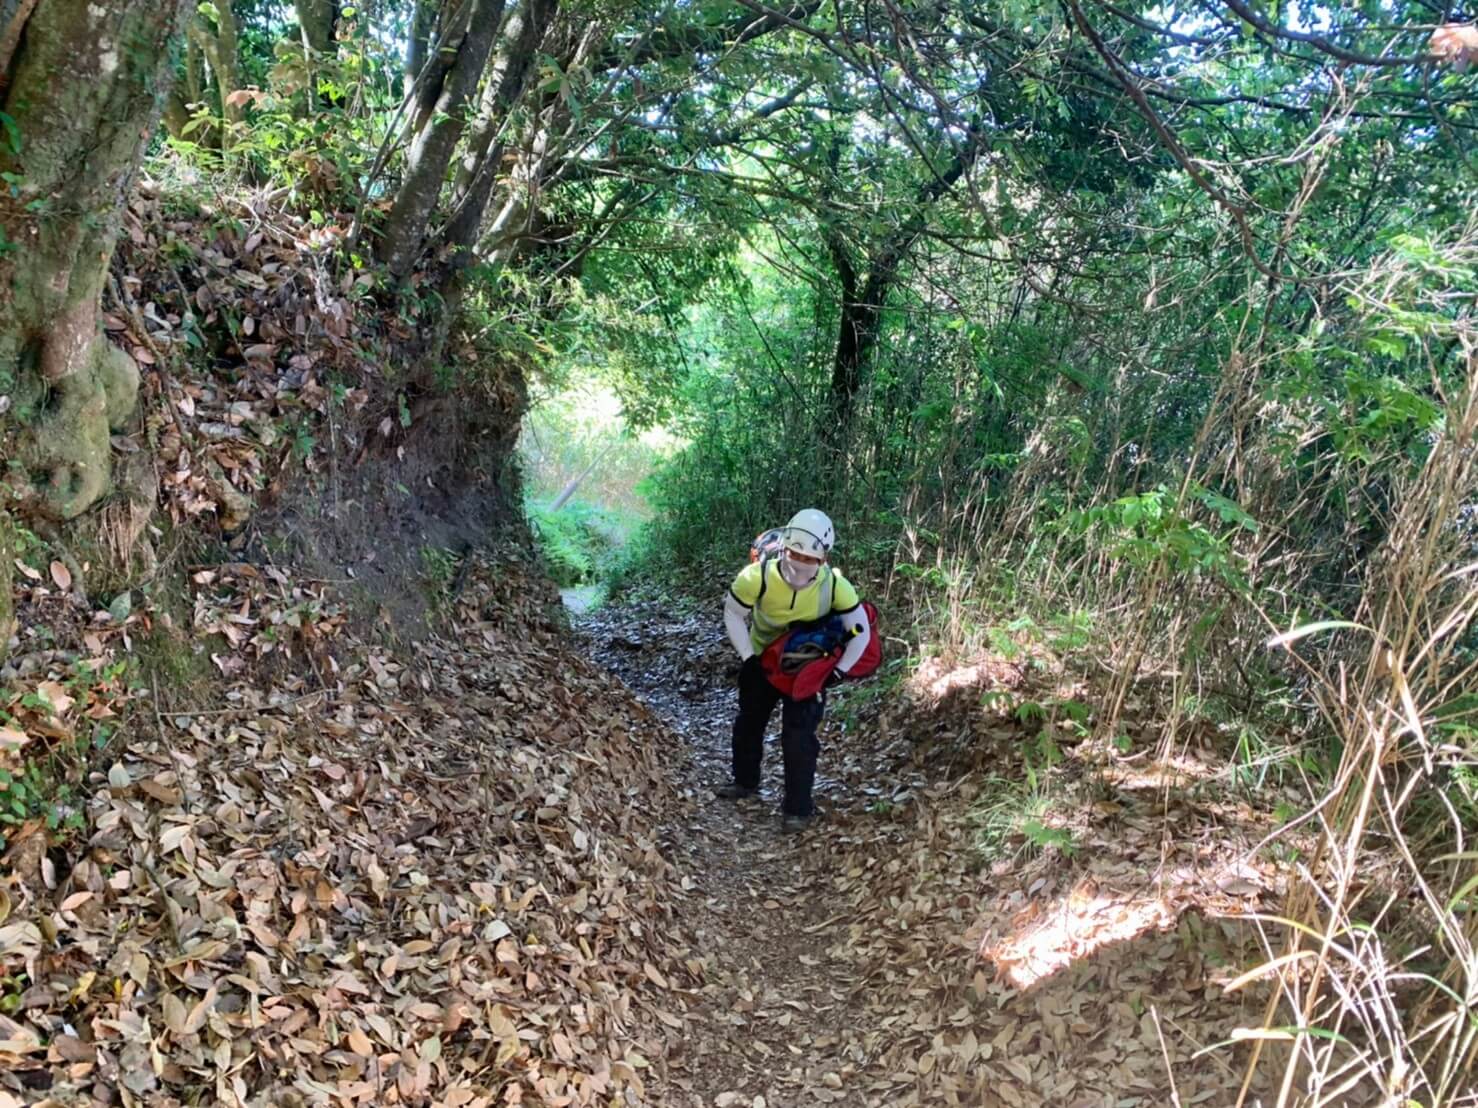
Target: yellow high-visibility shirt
772	613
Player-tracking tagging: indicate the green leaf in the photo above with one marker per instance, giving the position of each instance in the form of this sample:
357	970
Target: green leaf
1463	893
12	132
121	607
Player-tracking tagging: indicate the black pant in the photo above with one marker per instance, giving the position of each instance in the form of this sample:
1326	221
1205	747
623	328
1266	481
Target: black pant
798	743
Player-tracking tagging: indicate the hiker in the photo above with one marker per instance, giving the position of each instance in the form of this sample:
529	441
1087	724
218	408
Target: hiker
774	592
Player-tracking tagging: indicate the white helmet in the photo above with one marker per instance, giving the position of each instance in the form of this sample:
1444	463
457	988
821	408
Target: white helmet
810	532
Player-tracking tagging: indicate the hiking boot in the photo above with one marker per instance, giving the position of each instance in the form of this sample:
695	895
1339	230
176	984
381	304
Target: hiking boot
794	825
732	791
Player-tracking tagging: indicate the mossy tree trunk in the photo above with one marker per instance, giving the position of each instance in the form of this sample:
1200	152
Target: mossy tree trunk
186	93
215	31
82	87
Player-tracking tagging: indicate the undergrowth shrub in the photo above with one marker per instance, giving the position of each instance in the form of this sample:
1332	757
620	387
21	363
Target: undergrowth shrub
580	541
1011	818
49	787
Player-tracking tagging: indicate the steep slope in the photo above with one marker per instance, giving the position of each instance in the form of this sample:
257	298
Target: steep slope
431	878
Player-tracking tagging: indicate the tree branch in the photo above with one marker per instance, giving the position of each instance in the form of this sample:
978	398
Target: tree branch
1169	140
1322	44
743	27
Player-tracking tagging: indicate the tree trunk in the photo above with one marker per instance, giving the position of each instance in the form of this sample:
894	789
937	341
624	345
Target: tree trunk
846	363
176	115
527	27
85	87
862	313
7	602
574	482
317	20
194	73
212	51
219	44
423	23
432	148
13	16
542	161
447	34
862	317
507	78
184	94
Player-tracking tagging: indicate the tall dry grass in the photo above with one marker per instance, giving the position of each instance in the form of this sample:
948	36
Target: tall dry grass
1374	955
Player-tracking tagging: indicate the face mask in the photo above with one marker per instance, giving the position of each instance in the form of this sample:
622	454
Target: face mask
795	574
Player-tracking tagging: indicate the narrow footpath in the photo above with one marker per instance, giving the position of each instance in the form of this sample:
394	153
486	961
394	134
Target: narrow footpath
875	960
781	1029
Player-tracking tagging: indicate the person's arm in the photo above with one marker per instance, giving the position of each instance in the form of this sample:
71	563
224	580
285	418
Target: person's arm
857	626
736	623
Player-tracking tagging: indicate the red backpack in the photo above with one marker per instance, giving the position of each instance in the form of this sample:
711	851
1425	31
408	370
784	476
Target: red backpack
808	678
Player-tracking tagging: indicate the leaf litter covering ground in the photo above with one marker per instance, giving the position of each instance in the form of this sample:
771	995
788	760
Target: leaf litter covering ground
294	353
880	959
426	879
250	286
464	876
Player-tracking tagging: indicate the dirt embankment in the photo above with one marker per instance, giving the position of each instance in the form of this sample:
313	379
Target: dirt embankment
299	804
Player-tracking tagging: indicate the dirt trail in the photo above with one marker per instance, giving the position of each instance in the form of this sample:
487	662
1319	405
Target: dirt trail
842	965
777	1021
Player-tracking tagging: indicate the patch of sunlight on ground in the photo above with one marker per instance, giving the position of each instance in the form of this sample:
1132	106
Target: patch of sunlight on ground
936	679
1049	940
1177	771
582	598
